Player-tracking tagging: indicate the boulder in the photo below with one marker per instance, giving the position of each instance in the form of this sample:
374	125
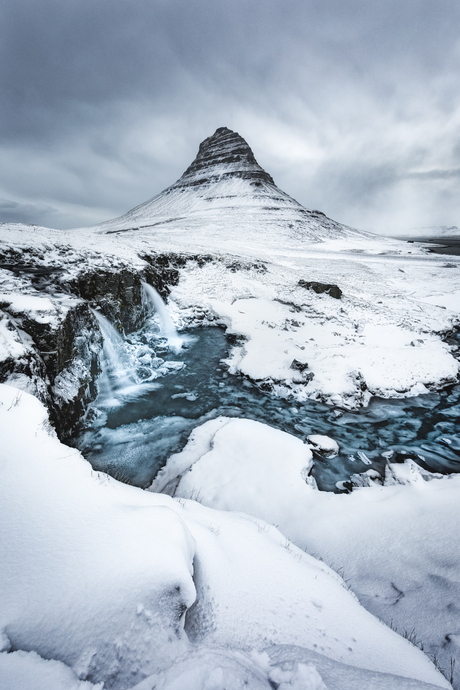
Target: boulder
319	288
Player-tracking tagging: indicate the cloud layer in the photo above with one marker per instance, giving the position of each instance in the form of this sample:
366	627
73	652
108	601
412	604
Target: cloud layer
353	107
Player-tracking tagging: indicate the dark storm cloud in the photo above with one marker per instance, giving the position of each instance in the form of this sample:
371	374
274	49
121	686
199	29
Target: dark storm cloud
104	103
10	210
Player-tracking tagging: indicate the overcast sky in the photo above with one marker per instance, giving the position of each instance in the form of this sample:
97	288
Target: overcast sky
352	106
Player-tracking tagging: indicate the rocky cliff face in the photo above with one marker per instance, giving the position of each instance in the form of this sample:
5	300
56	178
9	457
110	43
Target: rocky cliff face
52	348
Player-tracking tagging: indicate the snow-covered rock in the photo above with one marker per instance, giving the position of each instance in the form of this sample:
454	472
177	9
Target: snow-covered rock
226	452
28	671
323	446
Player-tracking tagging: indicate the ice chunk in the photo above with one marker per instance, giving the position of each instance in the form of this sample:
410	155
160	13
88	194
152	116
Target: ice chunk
407	472
363	457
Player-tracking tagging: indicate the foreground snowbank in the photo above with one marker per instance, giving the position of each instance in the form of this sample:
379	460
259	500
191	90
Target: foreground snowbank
398	546
117	584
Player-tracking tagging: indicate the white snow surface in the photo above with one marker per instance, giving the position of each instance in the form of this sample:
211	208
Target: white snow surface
432	231
398	546
122	585
28	671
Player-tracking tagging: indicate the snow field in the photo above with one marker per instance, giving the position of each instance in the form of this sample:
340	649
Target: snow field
103	577
398	545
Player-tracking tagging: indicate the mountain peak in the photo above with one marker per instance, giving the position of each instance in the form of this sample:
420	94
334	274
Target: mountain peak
224	154
226	193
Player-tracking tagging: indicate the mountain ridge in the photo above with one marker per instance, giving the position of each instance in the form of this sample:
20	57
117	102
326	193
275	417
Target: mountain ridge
225	193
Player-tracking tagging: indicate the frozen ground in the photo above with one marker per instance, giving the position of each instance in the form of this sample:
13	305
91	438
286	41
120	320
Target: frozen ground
384	336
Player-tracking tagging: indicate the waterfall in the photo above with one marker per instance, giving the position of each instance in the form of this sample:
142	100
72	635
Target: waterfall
116	365
167	326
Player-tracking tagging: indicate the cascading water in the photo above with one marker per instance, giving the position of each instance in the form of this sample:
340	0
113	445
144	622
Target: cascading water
167	326
117	371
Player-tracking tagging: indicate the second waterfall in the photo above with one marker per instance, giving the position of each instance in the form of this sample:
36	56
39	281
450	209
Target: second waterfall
167	325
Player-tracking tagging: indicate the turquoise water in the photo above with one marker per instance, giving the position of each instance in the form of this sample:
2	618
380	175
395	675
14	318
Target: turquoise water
131	435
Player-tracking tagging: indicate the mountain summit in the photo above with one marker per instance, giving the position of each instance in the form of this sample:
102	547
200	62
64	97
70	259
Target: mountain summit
225	196
224	154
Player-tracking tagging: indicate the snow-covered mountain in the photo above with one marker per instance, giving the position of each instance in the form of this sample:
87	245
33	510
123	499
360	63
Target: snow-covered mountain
226	192
432	231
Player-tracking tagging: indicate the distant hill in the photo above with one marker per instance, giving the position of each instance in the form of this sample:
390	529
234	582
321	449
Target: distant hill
431	231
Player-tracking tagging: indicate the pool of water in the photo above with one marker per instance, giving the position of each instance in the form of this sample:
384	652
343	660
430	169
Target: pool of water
437	245
131	432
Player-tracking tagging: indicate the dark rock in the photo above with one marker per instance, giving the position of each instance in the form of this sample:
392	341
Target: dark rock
319	288
294	307
62	365
234	339
118	293
299	366
33	271
266	386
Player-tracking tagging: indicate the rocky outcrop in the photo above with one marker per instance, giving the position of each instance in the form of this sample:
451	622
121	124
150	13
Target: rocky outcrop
319	288
58	360
118	294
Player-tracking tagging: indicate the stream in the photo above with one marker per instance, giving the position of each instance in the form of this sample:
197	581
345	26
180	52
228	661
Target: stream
147	408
